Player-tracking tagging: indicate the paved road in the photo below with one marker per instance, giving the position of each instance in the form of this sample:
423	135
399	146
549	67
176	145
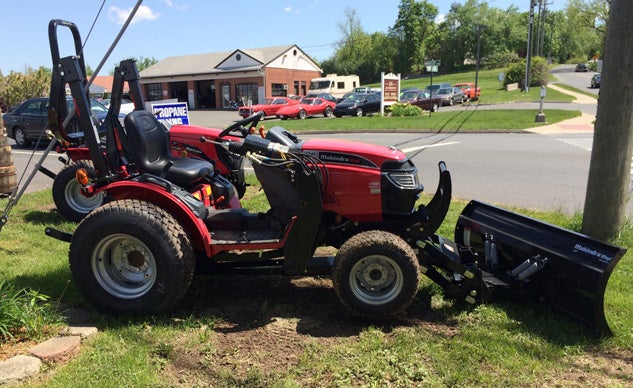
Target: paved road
566	75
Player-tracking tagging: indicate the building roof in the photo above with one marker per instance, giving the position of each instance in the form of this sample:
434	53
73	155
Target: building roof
218	62
105	82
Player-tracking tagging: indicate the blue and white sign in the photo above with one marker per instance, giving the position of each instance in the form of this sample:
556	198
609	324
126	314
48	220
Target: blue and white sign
172	113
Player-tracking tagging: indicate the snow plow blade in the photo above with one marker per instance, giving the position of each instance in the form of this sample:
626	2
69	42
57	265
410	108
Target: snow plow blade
569	269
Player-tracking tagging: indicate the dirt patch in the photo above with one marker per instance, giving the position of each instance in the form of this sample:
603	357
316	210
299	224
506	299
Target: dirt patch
14	348
264	325
599	369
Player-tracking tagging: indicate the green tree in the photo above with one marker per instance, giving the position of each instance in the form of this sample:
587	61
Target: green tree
16	87
414	25
142	63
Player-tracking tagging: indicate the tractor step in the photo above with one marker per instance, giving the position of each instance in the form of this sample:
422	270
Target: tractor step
231	237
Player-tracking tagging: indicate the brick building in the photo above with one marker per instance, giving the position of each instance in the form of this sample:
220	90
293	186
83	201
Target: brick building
212	80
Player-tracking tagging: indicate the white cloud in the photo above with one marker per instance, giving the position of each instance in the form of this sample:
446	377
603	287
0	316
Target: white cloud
171	4
119	16
291	9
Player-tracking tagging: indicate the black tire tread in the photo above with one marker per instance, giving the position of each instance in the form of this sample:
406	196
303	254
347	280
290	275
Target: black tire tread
371	242
179	253
59	188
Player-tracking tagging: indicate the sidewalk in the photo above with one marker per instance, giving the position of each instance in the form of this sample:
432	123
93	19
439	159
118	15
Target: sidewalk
582	124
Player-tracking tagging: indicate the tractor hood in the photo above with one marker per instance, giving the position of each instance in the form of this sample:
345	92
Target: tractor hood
352	153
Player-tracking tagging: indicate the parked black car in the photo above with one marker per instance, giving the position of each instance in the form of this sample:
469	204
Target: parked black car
358	104
325	96
26	123
595	80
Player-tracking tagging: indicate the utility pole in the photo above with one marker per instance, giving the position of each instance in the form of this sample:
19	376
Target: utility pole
478	54
539	27
528	55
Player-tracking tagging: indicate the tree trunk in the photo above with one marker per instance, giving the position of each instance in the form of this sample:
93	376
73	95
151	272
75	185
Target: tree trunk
610	170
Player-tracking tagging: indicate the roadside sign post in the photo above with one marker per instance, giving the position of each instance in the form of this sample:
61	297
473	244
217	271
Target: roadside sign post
432	66
390	84
540	116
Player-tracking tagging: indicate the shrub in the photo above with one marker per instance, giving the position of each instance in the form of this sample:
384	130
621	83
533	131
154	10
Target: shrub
405	109
538	73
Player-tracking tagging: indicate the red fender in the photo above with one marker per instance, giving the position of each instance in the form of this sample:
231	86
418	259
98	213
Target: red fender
153	193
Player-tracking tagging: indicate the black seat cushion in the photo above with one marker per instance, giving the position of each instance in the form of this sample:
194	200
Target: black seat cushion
150	140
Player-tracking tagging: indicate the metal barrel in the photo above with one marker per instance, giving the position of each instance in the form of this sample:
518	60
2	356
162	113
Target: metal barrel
569	269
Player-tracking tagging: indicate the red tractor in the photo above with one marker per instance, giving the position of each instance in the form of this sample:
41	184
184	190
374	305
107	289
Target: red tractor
166	216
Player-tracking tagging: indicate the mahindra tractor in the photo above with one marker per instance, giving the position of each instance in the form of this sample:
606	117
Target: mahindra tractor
165	216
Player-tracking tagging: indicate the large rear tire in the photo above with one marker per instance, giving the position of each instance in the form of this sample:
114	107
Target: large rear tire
131	256
376	273
67	195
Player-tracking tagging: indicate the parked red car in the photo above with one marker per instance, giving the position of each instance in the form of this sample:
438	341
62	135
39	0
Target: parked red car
270	106
421	98
307	107
469	90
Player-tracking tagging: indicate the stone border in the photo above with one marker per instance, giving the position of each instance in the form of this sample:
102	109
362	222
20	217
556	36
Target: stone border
58	349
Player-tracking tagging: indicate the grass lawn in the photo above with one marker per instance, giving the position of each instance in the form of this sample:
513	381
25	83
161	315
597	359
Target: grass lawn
468	120
278	332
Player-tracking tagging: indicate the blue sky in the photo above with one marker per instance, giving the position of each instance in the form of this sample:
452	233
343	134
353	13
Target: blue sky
164	28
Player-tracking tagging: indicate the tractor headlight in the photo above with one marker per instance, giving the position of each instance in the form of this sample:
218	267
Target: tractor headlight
404	180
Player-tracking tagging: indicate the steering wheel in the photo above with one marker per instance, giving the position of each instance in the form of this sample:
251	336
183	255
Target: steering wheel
240	125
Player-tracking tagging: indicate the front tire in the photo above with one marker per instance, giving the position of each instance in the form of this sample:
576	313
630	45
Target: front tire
376	273
359	112
131	256
327	112
20	138
302	114
67	194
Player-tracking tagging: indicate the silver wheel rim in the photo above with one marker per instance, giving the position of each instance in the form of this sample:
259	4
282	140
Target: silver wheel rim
124	266
20	138
79	202
376	280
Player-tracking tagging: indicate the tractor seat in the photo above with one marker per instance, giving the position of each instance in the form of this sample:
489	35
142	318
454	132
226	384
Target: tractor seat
150	143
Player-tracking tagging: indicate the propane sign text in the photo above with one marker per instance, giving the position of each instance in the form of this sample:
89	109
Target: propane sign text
171	114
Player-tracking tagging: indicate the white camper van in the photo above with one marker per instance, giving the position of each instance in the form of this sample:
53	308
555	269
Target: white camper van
336	85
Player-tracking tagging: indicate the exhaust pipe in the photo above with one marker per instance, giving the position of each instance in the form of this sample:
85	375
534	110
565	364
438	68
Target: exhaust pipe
569	269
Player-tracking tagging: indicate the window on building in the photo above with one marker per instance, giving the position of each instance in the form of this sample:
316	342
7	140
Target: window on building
154	92
279	89
246	92
296	84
